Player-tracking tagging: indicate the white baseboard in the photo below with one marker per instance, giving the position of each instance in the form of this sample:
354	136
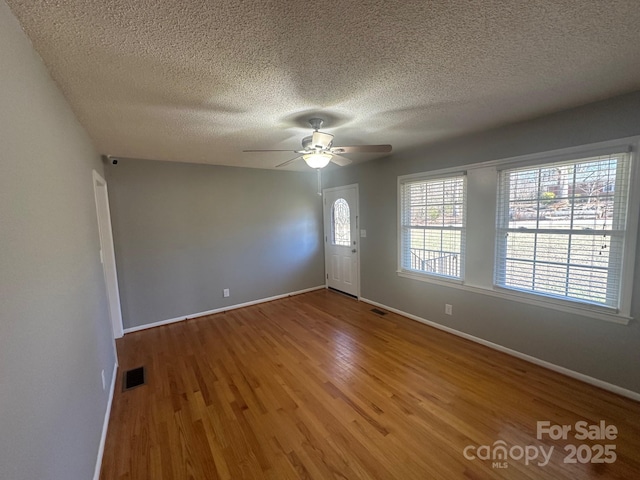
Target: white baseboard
219	310
105	424
543	363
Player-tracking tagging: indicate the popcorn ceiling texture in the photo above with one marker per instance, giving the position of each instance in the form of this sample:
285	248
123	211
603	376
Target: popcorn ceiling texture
199	81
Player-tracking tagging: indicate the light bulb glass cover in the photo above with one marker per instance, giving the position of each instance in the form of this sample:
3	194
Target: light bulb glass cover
317	160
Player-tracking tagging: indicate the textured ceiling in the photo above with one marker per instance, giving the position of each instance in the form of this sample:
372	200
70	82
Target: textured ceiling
199	81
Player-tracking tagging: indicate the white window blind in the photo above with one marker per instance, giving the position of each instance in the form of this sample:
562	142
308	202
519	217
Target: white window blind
432	225
561	228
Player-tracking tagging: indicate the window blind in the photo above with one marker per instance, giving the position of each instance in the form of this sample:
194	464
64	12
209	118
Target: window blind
432	225
561	228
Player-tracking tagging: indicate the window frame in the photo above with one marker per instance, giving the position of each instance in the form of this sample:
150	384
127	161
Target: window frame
426	177
480	247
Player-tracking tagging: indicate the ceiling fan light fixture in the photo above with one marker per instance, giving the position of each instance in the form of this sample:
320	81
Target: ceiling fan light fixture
317	160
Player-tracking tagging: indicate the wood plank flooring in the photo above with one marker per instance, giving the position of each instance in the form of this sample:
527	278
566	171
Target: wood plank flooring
317	386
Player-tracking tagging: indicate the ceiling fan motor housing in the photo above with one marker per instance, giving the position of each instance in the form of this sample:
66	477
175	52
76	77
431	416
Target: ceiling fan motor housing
317	141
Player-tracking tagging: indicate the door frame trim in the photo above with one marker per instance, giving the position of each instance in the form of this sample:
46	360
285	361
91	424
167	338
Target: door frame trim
325	233
105	234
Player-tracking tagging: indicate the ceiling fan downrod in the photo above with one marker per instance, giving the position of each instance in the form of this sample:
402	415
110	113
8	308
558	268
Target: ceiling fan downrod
316	123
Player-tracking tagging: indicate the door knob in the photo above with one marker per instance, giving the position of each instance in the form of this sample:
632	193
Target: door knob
353	251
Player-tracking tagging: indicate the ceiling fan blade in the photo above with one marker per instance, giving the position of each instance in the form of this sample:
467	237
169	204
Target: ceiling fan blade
362	149
267	150
338	160
288	161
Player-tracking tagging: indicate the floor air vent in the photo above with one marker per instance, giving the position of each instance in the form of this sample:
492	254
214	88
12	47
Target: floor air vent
378	311
133	378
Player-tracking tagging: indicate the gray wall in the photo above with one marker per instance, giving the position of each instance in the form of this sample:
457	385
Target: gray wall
184	232
603	350
55	335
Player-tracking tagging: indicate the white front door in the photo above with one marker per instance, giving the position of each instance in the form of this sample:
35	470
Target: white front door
341	239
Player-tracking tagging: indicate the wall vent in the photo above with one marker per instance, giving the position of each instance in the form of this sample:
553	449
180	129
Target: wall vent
133	378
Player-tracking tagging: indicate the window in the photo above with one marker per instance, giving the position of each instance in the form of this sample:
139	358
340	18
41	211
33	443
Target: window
561	228
341	222
432	225
554	229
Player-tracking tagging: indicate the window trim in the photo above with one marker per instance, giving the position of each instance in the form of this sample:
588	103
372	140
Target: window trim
427	176
621	315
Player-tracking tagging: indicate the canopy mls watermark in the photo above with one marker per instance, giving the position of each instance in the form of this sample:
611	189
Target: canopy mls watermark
500	453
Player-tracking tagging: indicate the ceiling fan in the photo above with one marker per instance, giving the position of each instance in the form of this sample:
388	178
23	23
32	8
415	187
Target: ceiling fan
318	150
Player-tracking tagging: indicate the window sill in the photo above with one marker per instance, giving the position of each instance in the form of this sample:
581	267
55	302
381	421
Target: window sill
425	277
599	313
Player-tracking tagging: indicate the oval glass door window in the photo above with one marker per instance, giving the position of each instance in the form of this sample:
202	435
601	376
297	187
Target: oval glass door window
341	223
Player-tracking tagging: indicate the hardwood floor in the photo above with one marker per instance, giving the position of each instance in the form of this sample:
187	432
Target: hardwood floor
317	386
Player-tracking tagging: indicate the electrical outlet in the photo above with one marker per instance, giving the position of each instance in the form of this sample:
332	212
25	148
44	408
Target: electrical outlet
225	292
448	309
104	382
